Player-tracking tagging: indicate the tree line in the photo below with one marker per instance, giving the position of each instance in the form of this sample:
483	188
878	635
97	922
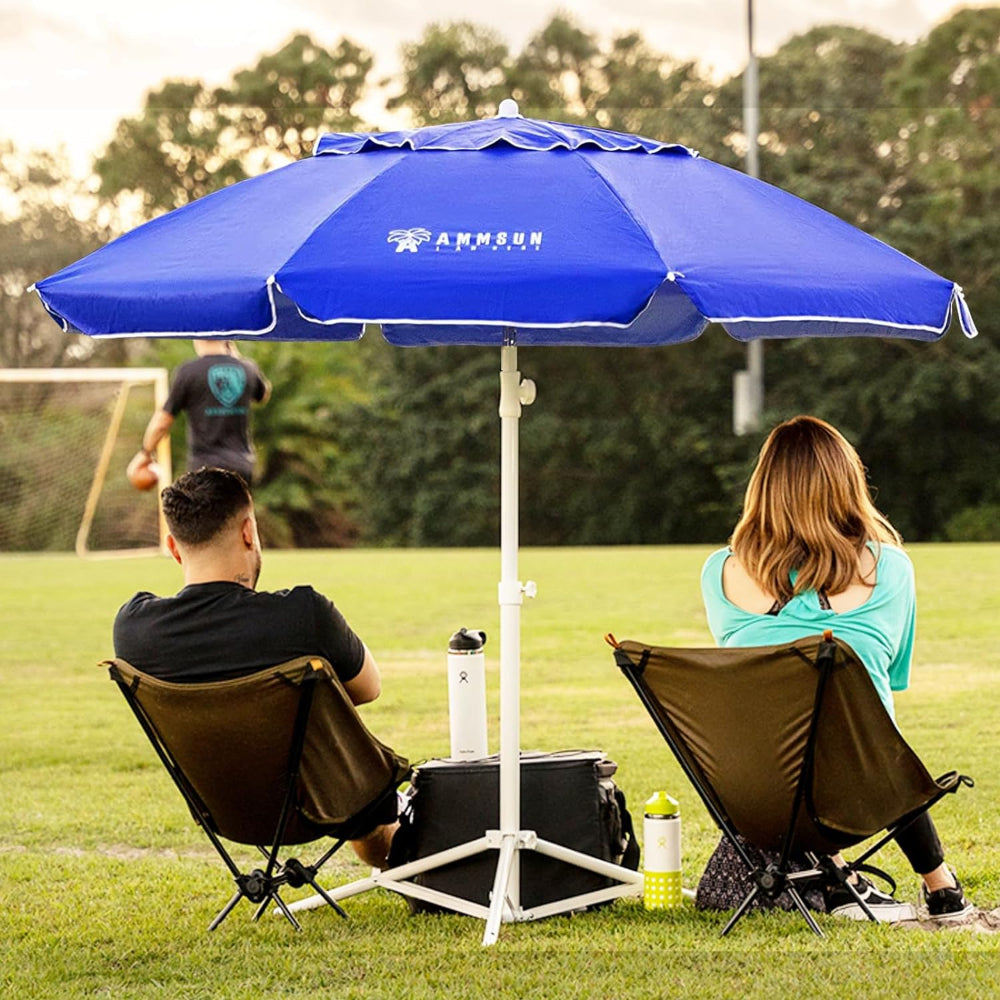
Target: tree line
369	444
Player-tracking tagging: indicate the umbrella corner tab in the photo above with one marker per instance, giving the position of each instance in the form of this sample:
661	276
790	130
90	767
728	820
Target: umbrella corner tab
965	319
60	321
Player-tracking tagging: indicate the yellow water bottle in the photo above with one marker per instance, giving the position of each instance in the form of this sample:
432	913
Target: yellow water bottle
661	839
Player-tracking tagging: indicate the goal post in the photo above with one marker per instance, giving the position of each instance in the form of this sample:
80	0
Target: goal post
66	435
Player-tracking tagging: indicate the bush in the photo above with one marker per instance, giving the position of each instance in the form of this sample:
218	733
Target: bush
980	523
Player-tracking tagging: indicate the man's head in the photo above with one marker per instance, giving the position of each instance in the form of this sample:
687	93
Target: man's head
212	526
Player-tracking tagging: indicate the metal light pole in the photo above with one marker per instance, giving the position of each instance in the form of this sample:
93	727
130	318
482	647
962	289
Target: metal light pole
748	385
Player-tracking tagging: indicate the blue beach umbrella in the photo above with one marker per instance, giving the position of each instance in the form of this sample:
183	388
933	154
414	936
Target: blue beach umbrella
506	232
451	234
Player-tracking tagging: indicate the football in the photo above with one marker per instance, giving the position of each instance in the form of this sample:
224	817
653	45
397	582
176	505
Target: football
143	473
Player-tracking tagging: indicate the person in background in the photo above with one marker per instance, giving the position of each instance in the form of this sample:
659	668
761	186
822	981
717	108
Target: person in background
220	626
216	390
812	552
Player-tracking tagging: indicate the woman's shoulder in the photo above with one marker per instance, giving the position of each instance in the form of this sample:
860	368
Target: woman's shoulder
717	558
711	570
894	572
893	558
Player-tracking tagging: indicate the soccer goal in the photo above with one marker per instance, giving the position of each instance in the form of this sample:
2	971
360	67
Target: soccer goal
66	436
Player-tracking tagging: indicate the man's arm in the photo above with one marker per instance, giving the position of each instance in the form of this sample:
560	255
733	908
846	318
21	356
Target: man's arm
366	685
159	425
265	392
343	647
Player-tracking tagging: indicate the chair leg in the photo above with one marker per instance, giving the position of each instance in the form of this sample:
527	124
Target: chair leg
297	874
289	916
796	899
327	898
803	909
226	910
857	898
842	875
741	909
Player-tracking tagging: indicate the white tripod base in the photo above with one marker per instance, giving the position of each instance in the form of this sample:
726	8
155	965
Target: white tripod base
501	909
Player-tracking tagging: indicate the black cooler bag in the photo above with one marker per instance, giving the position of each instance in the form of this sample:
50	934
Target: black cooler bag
568	798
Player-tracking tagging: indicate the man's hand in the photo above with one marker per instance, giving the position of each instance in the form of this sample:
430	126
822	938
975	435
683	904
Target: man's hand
143	473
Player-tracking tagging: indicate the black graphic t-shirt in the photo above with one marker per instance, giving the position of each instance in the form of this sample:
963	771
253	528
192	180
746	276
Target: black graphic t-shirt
213	631
216	391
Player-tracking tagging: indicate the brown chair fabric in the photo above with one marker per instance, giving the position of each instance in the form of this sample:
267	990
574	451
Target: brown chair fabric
232	739
741	721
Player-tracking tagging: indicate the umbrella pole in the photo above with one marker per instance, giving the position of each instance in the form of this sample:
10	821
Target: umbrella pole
510	839
506	887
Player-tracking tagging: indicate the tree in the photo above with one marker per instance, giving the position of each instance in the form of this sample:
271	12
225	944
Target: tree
946	201
308	490
651	94
434	411
559	68
190	140
428	434
947	195
825	109
565	72
294	94
453	72
47	220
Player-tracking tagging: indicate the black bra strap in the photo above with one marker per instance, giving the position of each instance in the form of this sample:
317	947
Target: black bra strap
824	603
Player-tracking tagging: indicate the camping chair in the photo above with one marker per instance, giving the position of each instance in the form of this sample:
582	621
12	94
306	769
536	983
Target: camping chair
790	748
275	758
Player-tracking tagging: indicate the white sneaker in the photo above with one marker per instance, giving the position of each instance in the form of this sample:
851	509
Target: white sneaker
884	908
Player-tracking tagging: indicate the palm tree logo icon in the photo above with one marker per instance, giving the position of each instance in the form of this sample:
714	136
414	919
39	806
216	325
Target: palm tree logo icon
408	239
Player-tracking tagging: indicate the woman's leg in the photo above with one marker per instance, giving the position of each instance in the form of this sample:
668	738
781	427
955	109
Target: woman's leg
922	846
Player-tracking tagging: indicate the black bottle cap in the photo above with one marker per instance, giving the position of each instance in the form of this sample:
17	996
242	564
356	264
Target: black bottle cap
467	640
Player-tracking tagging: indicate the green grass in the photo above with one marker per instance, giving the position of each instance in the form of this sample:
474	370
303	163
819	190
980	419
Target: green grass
106	887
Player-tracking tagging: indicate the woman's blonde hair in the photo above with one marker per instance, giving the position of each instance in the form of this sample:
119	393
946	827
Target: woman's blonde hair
807	508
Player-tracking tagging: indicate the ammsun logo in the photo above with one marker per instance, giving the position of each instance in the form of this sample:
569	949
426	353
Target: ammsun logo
410	240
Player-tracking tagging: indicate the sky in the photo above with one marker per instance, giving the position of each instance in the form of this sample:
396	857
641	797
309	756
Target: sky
69	69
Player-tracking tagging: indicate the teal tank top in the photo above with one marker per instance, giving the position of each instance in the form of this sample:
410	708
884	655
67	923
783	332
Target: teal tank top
880	631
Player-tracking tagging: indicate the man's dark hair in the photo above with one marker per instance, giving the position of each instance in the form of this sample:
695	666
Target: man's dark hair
201	503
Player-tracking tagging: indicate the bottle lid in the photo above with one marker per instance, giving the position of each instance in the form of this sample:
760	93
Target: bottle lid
467	640
661	804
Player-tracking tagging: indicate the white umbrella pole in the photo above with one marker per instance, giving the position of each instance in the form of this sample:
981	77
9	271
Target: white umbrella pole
506	888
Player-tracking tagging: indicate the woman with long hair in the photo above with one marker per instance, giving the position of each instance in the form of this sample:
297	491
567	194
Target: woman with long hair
811	552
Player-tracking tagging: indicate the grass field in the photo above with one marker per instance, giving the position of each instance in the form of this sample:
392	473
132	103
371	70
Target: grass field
106	887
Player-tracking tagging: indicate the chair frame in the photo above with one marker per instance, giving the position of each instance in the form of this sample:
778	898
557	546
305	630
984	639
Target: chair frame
774	878
259	886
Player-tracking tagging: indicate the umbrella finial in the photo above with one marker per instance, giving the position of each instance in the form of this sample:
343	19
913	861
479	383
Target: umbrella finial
508	109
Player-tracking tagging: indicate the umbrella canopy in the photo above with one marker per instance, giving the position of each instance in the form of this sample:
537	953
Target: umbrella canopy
451	234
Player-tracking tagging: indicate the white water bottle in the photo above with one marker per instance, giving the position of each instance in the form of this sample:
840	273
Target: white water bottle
467	694
661	840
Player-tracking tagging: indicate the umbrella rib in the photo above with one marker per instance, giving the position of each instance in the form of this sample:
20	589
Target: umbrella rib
672	271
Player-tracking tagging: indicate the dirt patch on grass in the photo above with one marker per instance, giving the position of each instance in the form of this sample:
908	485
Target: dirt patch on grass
980	922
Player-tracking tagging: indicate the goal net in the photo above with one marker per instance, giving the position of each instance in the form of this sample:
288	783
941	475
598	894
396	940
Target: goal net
66	437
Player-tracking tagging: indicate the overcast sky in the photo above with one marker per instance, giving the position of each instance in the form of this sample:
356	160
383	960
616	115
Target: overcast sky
69	69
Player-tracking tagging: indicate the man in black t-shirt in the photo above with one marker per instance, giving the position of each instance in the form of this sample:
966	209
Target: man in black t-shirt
219	626
215	390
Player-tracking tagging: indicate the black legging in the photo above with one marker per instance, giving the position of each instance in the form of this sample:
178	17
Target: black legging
920	843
